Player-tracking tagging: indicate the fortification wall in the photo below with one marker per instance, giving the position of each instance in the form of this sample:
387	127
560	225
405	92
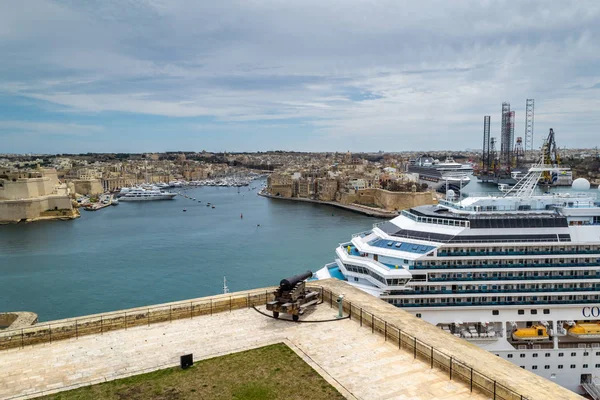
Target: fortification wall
88	187
387	200
31	209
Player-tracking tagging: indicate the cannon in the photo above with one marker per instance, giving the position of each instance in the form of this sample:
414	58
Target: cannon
292	297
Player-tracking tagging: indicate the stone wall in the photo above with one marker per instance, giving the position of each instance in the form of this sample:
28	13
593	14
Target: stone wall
89	187
386	200
31	209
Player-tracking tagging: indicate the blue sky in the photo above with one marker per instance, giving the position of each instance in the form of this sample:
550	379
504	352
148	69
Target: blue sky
160	75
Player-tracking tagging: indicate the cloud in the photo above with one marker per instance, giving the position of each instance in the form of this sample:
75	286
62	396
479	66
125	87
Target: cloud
47	128
410	75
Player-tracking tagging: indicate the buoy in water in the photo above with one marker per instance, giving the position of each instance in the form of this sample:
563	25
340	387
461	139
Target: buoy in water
242	216
184	210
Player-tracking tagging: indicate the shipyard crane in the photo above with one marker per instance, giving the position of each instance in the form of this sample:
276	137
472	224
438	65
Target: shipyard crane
550	155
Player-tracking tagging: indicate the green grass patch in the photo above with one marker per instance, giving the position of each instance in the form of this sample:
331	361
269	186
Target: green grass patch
272	372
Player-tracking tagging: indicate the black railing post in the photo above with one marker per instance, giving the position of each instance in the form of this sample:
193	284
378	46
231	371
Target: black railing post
450	367
170	313
248	301
494	390
210	306
372	323
385	330
471	379
148	317
229	303
350	310
22	339
361	316
76	331
415	347
101	325
191	310
125	320
399	338
50	330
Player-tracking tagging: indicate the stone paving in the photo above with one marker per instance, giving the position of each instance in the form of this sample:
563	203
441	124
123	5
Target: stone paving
359	364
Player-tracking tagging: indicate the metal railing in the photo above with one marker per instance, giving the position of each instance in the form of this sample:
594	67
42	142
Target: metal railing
106	322
456	369
73	328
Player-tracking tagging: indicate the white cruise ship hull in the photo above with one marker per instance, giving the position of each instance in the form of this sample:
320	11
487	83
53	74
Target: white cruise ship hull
516	274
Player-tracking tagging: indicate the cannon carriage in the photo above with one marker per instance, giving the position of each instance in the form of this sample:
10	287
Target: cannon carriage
292	297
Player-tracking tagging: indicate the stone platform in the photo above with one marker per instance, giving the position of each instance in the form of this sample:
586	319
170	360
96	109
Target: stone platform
355	359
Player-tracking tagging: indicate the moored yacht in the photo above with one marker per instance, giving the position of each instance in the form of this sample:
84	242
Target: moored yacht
516	273
146	195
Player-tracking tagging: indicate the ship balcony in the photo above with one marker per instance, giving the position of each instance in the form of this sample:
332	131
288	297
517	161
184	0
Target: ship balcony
442	253
596	275
520	292
515	265
484	302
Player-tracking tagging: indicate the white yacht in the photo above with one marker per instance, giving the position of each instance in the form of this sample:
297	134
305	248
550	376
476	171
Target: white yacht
515	273
146	195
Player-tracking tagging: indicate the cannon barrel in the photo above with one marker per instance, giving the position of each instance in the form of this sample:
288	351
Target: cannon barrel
289	283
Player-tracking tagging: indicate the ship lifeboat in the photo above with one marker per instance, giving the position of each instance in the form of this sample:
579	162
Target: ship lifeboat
589	330
536	332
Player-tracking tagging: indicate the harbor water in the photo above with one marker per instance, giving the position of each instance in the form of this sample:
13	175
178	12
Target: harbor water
143	253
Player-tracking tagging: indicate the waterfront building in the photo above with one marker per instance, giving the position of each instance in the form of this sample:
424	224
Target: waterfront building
518	275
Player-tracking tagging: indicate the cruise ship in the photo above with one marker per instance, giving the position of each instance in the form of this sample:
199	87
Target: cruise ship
140	194
441	176
516	273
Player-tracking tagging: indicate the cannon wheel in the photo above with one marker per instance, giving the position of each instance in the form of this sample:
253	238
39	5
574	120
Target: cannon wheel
275	314
295	317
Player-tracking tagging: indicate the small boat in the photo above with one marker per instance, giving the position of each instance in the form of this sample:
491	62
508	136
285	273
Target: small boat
213	206
208	205
199	201
587	330
535	332
184	210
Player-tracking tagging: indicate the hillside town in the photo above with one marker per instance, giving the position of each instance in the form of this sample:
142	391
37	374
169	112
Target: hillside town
36	187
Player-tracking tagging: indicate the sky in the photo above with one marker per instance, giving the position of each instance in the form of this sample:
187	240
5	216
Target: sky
325	75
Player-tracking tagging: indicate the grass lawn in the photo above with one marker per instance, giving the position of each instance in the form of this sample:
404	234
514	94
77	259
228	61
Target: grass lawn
271	372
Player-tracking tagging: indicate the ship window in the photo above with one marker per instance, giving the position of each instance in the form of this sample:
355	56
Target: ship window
522	355
534	312
520	312
560	367
573	354
534	355
572	366
586	353
534	367
546	367
561	354
546	311
547	355
495	312
509	356
585	365
597	365
522	366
